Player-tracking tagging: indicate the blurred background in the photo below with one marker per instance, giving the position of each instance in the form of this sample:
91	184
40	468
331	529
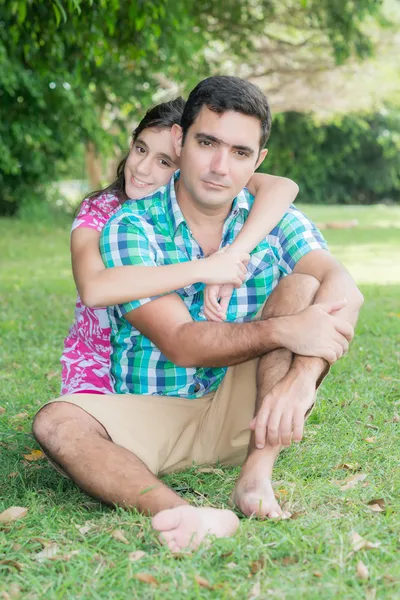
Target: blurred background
76	75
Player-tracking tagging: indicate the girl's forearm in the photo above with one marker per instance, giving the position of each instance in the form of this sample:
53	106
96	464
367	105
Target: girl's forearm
273	196
124	284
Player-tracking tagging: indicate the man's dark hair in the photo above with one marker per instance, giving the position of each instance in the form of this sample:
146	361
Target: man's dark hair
222	93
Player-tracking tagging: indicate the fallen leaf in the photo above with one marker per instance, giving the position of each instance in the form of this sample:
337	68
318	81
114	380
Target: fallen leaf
48	552
368	368
2	410
13	474
210	470
146	578
118	535
231	565
203	582
297	515
34	456
14	591
84	529
257	565
22	415
52	374
11	563
362	571
13	513
396	418
359	543
317	574
255	590
352	481
289	560
370	440
377	505
348	467
134	556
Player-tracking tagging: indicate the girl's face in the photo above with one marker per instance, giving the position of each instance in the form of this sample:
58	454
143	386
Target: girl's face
150	164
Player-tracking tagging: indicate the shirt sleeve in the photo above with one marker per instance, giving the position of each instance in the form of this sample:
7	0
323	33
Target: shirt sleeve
294	237
125	243
94	213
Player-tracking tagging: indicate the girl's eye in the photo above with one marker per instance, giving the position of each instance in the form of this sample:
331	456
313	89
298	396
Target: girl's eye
164	163
140	149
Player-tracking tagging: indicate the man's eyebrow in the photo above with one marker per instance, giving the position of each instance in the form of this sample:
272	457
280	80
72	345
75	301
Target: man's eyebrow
211	138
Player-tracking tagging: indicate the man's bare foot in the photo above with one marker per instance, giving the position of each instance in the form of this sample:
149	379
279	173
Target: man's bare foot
253	493
185	527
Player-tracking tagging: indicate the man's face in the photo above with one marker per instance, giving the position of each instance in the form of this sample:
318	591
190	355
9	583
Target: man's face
220	154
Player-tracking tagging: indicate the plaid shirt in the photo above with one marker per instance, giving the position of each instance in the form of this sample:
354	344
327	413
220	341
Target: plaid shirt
153	232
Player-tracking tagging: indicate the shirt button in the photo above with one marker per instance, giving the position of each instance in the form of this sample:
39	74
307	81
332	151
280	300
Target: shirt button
197	388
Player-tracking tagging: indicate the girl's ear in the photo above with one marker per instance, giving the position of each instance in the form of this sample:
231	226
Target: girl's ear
176	132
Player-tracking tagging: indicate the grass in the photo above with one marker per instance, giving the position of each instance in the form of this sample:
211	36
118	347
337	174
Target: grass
309	557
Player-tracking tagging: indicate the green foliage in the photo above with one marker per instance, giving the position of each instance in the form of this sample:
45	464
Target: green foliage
73	71
353	160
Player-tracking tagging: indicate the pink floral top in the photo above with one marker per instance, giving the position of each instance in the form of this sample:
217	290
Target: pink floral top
86	357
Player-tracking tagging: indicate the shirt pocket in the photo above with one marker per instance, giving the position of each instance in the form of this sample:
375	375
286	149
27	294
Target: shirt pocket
261	259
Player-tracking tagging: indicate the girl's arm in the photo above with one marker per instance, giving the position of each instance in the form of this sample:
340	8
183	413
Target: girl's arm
98	286
273	196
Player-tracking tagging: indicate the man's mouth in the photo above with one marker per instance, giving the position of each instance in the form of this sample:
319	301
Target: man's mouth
215	184
138	182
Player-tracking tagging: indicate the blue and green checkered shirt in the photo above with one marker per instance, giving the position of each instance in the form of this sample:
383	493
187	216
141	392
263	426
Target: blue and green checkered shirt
153	232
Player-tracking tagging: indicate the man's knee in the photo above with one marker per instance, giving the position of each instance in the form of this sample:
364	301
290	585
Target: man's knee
60	424
293	293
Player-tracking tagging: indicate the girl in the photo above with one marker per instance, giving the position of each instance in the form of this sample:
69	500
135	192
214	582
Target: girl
149	165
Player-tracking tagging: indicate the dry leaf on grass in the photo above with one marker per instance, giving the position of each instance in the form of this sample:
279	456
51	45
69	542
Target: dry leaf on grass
13	474
352	481
11	563
118	535
13	513
359	543
362	571
48	552
348	467
84	529
210	470
257	565
2	410
377	505
255	591
370	440
317	574
231	565
52	374
146	578
396	418
203	582
134	556
13	592
21	415
34	455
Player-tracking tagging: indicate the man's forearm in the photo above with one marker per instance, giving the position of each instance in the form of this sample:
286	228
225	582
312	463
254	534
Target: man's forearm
209	344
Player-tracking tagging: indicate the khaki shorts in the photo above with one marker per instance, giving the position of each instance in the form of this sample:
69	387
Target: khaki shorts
169	434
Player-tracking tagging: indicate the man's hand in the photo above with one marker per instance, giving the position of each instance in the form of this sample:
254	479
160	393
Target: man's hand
316	331
281	414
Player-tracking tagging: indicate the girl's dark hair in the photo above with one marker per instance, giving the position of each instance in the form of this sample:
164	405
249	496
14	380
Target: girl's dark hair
161	116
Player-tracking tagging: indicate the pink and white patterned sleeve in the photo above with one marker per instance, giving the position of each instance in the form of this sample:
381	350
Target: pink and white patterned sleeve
95	213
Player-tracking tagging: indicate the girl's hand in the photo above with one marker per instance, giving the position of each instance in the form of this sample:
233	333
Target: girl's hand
216	301
224	267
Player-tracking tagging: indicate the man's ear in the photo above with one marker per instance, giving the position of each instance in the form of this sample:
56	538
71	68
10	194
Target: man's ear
263	154
177	134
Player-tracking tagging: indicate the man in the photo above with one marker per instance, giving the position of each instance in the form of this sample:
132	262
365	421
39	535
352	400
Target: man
188	389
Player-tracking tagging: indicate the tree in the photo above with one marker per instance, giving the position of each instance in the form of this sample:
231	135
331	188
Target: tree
76	70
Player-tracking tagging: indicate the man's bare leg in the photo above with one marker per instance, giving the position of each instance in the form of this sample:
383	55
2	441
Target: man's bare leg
253	492
79	444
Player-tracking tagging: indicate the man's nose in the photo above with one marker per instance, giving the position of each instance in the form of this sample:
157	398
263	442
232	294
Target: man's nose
220	162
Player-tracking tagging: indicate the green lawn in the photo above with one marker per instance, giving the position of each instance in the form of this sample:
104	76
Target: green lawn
354	431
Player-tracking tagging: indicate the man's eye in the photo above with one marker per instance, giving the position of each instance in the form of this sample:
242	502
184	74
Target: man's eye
241	153
204	143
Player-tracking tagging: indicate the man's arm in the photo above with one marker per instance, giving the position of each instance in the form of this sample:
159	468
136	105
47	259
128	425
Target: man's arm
168	324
